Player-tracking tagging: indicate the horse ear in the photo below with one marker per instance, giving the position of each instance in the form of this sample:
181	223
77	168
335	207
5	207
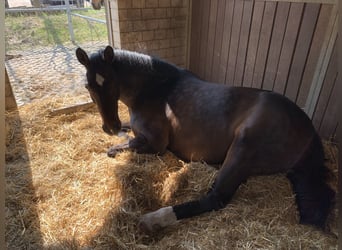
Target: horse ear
82	57
108	54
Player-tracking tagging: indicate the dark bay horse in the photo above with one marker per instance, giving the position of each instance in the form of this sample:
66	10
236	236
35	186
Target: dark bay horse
248	131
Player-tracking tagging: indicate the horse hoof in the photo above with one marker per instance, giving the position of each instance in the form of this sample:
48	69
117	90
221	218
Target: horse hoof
147	228
112	152
157	220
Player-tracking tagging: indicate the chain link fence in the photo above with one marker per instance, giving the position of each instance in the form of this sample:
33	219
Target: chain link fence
40	47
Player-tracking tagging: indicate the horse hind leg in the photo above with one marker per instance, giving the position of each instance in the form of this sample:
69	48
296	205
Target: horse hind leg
314	197
227	181
166	216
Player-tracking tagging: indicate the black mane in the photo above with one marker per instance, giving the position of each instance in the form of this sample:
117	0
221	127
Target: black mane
128	62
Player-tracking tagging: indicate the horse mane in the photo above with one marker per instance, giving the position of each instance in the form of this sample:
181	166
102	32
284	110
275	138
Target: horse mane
129	61
133	59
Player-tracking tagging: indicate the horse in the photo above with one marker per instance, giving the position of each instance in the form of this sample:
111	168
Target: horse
97	4
248	131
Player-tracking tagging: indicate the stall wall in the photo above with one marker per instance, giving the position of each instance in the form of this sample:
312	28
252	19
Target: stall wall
155	27
283	46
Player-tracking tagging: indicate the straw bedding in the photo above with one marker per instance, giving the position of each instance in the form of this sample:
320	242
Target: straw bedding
63	192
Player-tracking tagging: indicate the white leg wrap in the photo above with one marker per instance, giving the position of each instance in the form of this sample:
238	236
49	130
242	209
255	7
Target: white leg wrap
152	222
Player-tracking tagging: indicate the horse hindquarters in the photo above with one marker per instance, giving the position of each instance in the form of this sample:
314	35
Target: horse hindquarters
314	197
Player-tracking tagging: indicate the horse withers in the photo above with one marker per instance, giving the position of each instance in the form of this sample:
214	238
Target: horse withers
248	131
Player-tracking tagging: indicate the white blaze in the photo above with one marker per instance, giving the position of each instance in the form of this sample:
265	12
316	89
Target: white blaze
99	79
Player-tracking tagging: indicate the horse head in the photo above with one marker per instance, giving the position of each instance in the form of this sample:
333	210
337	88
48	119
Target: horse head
103	86
97	4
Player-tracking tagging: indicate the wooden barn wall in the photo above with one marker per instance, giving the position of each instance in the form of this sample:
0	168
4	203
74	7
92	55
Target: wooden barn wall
266	44
325	115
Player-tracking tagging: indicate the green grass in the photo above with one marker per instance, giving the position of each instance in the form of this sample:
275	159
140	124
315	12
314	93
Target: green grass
46	29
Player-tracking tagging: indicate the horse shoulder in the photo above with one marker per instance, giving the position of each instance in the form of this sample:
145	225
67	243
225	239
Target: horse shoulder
149	121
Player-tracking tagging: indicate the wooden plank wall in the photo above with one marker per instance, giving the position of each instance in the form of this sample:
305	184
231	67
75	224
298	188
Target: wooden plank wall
265	44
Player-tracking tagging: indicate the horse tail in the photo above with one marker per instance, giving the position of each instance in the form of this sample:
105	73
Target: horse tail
314	197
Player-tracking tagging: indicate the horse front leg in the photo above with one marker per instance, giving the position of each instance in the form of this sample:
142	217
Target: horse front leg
141	145
137	144
150	138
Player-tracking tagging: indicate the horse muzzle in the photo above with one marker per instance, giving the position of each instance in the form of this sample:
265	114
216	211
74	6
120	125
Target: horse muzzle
114	130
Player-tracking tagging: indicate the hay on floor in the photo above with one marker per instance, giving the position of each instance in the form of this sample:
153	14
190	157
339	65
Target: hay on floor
63	192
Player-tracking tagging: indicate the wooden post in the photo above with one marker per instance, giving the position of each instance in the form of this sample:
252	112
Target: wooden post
113	26
339	128
108	7
187	59
2	126
72	109
322	64
10	102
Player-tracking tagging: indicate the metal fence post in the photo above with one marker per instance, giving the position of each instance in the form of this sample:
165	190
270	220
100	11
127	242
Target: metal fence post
71	29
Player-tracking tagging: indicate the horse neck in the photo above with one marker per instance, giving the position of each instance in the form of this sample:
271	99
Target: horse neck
140	76
127	66
130	90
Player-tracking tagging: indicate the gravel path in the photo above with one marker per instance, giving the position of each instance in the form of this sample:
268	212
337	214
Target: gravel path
47	72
